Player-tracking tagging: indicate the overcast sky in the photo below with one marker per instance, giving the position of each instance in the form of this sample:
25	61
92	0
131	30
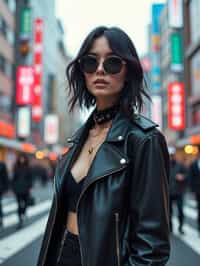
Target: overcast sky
79	17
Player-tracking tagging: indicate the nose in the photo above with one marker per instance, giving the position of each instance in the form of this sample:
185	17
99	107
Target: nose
100	68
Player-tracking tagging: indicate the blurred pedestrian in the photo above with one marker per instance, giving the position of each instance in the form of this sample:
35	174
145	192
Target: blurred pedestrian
4	185
194	180
177	186
110	204
39	172
22	183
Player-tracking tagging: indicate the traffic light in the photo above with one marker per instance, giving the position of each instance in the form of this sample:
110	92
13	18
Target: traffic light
24	47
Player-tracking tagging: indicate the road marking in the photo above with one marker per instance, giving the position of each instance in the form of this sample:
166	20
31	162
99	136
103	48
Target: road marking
9	208
11	245
31	212
190	212
190	237
191	203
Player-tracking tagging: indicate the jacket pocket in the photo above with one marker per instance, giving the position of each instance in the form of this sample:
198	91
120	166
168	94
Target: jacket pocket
117	237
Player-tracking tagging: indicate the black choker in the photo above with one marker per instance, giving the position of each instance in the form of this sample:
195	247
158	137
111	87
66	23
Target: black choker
105	115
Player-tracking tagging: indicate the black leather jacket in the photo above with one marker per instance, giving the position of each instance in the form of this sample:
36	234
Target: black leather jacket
123	208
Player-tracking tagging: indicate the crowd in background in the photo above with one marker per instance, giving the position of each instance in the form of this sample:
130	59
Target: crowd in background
182	180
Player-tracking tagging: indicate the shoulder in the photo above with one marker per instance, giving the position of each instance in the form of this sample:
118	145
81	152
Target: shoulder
142	129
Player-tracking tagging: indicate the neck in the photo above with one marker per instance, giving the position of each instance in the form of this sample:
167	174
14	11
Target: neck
101	105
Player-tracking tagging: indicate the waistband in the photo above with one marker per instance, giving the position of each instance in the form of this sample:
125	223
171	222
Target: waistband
71	235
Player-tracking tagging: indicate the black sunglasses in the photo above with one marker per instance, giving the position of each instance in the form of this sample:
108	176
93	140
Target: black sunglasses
112	64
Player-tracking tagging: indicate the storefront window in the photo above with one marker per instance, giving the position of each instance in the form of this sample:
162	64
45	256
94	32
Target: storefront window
2	63
196	115
194	10
3	26
195	74
11	5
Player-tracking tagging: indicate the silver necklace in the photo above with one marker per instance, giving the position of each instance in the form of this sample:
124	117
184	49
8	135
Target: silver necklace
92	148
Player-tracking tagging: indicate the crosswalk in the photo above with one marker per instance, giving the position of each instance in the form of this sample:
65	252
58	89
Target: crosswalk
19	239
12	243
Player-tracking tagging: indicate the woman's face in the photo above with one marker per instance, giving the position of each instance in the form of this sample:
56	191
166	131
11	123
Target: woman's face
104	86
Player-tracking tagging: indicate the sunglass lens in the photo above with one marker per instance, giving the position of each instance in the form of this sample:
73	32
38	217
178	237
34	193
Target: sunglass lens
88	64
113	65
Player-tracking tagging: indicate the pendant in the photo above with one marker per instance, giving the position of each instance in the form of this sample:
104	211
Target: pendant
91	150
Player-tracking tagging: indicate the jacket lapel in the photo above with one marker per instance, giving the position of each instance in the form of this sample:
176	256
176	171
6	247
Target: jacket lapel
109	158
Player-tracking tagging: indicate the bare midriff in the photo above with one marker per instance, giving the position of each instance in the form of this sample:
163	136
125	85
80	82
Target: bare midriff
72	225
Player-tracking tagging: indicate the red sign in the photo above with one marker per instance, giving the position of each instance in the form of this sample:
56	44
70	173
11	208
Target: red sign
7	129
25	84
37	111
176	106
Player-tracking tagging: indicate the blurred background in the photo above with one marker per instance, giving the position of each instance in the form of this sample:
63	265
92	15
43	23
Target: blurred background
38	39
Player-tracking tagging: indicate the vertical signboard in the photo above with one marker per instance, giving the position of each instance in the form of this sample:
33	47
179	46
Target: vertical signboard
25	23
37	111
176	106
23	121
51	129
24	85
175	13
155	48
176	52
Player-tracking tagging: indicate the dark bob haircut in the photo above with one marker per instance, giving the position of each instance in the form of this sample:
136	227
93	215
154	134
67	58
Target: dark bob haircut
131	97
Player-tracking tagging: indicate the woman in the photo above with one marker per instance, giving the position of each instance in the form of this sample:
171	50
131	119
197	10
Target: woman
110	204
22	183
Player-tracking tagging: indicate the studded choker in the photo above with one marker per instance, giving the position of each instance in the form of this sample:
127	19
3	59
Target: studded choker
105	115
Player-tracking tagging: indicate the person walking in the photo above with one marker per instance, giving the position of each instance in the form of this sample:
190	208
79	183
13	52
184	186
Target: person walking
22	183
194	181
4	185
177	186
111	202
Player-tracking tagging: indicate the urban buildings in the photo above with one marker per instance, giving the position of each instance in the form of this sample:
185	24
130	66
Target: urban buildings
192	70
175	77
35	47
7	43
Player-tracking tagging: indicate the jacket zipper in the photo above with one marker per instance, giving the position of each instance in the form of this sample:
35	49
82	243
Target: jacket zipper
83	191
117	237
61	247
50	233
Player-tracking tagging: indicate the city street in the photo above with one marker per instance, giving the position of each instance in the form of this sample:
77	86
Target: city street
21	247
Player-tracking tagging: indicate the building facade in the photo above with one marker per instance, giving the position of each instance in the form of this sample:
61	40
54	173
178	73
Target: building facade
7	43
192	70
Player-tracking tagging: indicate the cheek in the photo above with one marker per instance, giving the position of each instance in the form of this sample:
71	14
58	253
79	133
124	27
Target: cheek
119	81
88	81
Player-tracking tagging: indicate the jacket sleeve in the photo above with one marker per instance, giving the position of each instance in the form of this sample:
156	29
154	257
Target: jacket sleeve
149	203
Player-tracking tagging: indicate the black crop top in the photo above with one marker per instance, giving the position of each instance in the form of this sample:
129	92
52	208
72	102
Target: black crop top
72	191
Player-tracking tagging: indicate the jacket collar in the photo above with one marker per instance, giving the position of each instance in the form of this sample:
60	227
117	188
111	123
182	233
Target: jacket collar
120	125
117	132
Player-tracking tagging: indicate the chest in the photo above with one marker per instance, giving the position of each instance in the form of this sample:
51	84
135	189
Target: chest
85	157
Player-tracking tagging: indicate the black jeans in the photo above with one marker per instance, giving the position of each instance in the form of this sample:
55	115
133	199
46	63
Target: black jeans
22	202
69	254
179	203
